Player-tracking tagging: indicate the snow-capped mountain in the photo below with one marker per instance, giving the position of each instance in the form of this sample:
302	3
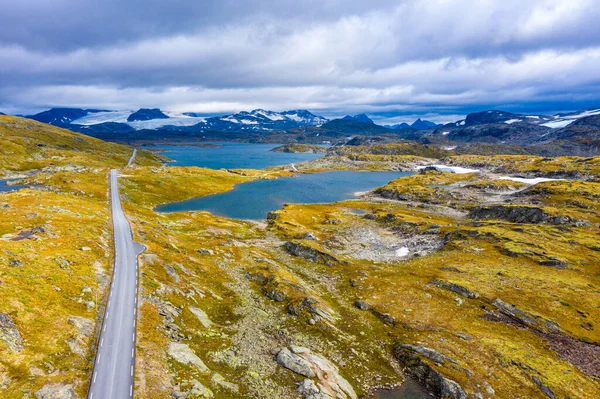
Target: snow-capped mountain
563	120
152	119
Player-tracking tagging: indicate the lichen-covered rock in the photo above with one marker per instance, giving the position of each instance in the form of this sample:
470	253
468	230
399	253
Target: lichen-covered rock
295	362
309	253
431	379
183	354
522	214
84	326
56	391
202	317
9	333
429	353
330	383
459	289
534	321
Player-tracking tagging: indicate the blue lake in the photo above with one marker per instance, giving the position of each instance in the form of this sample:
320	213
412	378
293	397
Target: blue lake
255	199
6	188
232	156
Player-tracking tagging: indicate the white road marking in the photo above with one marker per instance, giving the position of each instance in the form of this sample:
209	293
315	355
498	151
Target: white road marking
132	371
131	352
131	390
104	328
108	303
133	337
98	360
102	342
95	374
107	314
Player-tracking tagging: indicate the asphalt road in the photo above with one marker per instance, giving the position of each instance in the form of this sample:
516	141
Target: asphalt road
115	359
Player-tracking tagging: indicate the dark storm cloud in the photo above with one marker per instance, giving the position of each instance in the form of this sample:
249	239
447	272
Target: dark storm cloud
384	57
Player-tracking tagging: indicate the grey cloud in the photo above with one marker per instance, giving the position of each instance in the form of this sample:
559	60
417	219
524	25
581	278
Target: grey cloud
326	55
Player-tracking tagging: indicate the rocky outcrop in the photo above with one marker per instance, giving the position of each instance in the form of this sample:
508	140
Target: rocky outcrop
523	214
183	354
329	383
56	391
530	320
429	353
309	253
459	289
432	380
9	333
83	325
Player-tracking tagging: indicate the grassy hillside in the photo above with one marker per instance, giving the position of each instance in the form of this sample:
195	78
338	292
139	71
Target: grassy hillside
29	145
55	253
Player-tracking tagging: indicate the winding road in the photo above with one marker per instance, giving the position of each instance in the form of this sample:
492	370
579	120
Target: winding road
113	376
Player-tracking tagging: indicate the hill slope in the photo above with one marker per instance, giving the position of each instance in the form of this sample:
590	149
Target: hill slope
27	145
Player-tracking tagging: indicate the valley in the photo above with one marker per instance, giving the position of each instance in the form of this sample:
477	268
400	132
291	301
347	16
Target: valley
475	278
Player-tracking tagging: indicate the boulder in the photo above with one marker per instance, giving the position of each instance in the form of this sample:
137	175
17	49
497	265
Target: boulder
183	354
84	326
294	362
330	383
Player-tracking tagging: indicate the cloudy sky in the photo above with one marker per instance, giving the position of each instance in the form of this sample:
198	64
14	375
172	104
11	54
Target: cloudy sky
393	60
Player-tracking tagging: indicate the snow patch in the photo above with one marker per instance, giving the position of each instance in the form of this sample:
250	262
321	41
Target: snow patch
511	121
445	133
400	252
531	181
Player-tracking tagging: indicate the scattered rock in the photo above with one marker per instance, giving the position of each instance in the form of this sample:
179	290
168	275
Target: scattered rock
9	333
56	391
183	354
205	251
16	263
85	249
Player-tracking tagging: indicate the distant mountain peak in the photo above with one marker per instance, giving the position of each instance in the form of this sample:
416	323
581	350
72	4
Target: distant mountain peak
359	118
146	114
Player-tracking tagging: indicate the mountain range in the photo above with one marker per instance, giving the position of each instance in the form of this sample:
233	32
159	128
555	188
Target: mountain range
564	133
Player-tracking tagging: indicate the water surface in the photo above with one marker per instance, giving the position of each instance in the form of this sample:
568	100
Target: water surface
255	199
6	188
232	155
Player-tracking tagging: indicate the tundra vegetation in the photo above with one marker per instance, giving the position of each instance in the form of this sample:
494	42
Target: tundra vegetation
474	286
